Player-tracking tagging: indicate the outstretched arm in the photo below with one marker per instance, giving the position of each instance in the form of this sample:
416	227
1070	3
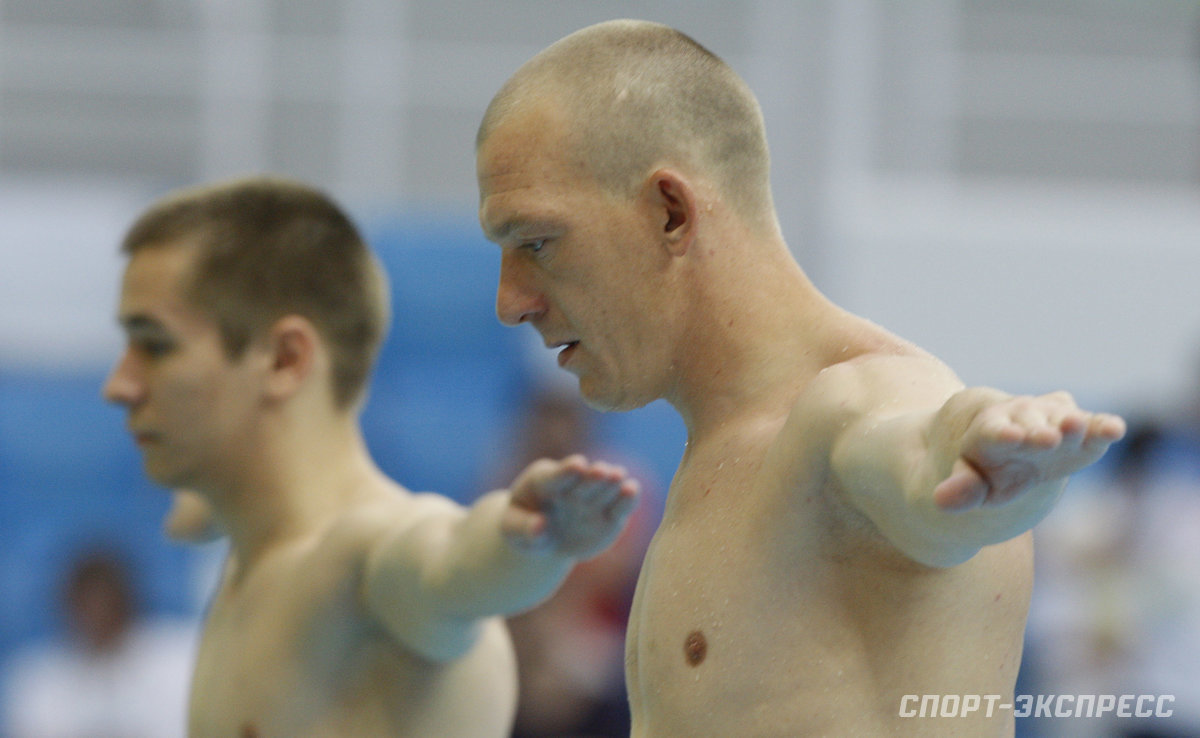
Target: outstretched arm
943	470
432	583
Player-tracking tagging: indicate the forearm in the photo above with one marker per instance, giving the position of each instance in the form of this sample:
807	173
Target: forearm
514	547
461	567
433	579
433	582
480	571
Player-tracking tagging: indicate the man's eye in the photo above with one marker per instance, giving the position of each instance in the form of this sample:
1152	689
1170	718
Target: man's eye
155	348
534	246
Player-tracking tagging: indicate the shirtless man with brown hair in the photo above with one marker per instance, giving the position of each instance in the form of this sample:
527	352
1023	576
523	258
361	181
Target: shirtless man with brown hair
849	524
348	605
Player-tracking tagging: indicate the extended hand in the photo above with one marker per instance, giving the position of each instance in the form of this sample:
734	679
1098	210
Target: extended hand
1021	443
572	506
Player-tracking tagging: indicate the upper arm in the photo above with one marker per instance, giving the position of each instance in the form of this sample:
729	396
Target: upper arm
896	432
400	551
865	422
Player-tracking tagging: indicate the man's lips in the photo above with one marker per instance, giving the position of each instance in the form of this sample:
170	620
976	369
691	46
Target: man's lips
142	438
568	348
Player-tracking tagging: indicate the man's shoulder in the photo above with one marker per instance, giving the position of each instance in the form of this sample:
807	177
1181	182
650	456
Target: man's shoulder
888	373
889	378
879	351
387	512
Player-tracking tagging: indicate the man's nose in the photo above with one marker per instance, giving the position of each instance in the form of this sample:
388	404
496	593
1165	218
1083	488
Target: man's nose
122	387
516	299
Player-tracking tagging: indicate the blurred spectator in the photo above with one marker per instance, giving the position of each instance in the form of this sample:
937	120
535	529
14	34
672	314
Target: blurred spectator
115	674
570	649
1116	607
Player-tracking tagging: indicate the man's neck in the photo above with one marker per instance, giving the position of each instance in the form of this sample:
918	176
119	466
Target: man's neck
753	349
291	485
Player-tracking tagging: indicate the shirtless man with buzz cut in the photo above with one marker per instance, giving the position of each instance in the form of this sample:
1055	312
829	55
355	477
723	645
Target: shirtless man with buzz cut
849	523
348	606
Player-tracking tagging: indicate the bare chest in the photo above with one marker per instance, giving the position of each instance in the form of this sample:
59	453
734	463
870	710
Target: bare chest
757	613
287	653
707	608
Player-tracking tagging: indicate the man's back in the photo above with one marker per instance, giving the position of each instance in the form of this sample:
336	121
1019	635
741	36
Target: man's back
289	650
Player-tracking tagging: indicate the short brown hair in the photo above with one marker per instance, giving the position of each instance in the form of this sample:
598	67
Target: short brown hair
269	247
640	94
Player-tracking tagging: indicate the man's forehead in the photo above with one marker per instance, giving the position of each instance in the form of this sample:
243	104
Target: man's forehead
530	131
149	275
169	258
513	197
152	289
509	158
536	112
527	197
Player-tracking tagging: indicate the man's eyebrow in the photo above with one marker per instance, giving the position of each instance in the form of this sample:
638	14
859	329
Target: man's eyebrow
140	323
505	230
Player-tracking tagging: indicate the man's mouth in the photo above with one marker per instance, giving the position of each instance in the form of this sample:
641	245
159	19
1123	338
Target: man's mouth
142	438
564	355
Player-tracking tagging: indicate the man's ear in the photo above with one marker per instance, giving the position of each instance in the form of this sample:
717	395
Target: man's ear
675	205
293	344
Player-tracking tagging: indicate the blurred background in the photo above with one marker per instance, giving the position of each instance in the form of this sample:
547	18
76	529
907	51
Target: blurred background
1012	184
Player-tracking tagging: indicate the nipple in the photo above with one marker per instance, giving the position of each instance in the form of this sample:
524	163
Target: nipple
695	648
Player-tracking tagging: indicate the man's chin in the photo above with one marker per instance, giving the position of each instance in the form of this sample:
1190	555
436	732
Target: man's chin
608	400
169	479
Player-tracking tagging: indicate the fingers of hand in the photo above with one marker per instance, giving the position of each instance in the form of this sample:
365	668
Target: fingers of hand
964	489
524	528
1025	441
626	501
578	504
545	480
597	485
1106	428
1054	419
1045	422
